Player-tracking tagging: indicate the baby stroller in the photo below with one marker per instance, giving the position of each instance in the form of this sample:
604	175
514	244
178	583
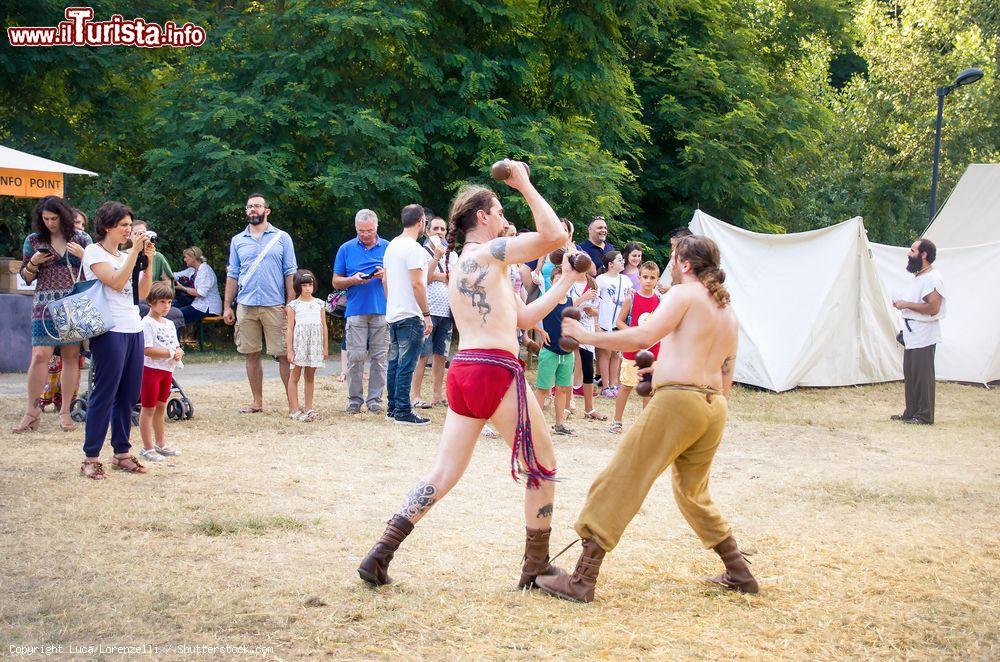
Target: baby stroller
179	407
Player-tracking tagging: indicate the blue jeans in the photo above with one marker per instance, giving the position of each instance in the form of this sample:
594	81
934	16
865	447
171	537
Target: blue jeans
406	338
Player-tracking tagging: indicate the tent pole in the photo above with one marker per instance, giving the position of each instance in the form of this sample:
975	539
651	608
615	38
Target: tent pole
941	92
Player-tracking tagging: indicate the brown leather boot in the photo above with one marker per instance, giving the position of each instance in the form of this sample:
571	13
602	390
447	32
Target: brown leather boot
374	569
579	586
536	558
737	576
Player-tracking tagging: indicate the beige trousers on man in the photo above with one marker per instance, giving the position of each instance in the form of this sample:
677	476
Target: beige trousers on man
679	427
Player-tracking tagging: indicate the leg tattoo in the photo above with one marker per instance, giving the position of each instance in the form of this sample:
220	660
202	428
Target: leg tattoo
419	500
545	511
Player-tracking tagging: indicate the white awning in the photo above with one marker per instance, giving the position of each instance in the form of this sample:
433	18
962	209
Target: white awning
11	158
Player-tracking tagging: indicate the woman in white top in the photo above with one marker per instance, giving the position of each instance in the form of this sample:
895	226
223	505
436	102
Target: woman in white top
206	288
116	357
613	288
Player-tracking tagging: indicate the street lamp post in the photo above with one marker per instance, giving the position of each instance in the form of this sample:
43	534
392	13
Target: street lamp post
966	77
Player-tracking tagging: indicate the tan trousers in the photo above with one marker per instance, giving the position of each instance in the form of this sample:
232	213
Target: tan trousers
679	427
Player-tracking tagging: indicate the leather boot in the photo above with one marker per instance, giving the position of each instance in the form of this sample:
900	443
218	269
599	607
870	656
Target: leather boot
737	576
374	569
536	558
579	586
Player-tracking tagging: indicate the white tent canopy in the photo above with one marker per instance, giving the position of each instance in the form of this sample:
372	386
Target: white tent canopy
812	311
11	158
971	215
969	350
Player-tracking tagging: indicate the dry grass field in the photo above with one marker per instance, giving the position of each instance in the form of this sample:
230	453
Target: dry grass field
871	539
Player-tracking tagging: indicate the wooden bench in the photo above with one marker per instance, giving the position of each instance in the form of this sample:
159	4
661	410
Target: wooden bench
213	322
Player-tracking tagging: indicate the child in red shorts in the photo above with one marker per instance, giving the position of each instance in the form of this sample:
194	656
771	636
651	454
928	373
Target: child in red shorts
163	354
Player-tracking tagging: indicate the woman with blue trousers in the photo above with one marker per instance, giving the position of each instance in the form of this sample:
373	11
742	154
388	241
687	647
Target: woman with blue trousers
116	356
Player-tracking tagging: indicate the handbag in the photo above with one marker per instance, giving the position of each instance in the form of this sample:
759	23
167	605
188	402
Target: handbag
82	314
336	303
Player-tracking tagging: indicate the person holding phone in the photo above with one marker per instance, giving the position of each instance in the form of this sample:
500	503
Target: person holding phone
51	260
358	270
116	357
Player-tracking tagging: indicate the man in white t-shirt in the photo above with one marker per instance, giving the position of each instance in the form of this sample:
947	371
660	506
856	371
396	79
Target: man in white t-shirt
922	304
406	312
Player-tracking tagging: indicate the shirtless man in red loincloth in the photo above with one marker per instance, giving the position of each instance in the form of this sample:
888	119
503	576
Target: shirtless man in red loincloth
486	379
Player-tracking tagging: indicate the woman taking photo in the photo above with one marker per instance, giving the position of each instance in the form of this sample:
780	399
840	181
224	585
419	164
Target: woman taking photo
206	287
116	357
51	260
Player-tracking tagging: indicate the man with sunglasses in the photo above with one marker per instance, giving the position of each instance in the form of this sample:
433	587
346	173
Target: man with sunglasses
259	278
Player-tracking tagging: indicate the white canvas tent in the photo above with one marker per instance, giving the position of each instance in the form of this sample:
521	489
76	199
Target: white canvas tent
812	311
971	215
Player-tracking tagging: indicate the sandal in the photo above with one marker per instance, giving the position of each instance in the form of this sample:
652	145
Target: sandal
421	404
595	415
130	463
151	455
490	433
31	425
66	427
616	427
250	409
96	471
296	415
166	451
309	416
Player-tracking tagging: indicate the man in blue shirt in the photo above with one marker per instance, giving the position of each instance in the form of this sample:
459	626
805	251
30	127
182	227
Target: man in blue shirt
259	277
597	244
358	270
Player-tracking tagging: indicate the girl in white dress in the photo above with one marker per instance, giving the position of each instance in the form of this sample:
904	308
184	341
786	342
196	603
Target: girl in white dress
306	339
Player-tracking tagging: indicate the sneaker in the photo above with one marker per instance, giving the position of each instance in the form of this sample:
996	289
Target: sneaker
562	429
609	393
412	419
898	417
375	408
353	408
578	391
390	415
167	451
916	421
151	455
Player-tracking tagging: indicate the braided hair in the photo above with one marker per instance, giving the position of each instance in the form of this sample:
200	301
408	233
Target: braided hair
704	257
462	216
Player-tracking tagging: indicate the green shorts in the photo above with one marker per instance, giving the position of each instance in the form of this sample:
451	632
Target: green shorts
554	369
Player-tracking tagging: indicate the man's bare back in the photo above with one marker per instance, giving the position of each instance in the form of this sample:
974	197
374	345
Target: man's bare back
482	299
702	347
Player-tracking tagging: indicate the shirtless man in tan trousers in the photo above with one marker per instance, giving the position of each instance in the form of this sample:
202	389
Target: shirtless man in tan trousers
682	425
486	380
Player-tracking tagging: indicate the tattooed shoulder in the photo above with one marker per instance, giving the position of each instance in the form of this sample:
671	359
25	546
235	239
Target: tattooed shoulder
498	248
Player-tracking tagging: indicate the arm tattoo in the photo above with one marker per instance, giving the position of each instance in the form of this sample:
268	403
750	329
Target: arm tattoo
545	511
727	365
498	248
419	500
472	287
